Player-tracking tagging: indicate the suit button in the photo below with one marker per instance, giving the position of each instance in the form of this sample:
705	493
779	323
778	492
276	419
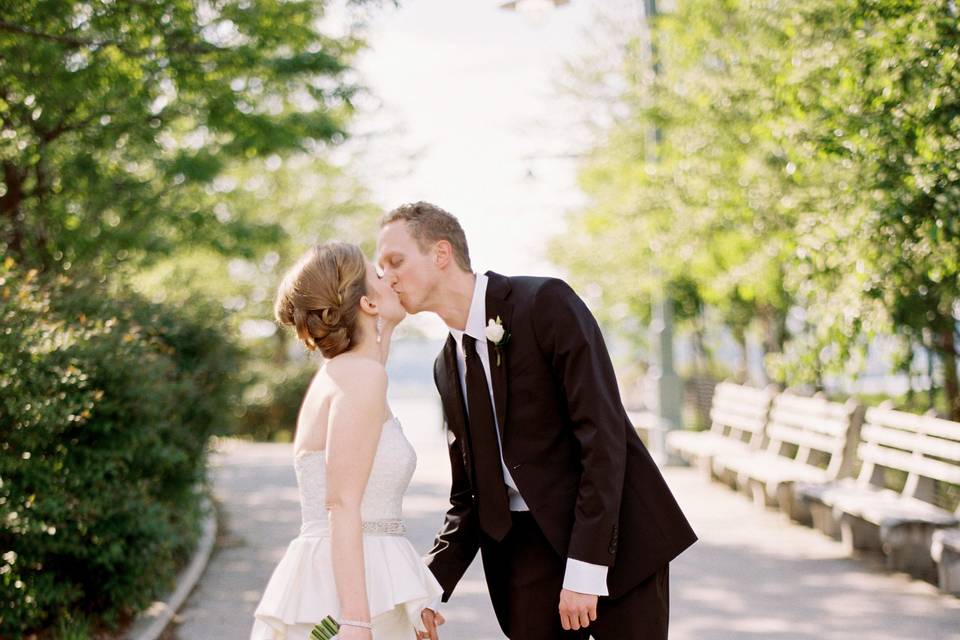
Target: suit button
516	466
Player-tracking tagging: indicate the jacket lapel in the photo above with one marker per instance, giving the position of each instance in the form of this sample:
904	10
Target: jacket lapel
498	289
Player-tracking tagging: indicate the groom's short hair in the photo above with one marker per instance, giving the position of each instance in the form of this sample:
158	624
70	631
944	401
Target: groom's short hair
428	223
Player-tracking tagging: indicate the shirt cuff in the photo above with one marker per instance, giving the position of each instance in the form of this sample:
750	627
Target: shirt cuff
584	577
435	605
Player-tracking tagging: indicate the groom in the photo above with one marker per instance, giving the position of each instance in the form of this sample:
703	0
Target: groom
575	525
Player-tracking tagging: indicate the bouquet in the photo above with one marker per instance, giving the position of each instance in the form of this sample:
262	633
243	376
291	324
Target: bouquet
326	630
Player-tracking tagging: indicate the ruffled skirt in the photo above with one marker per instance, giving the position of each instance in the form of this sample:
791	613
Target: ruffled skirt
302	591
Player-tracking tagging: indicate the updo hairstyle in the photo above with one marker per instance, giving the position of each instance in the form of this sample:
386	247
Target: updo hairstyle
320	297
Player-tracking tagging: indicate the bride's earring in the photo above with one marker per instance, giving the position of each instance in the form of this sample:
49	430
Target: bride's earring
379	329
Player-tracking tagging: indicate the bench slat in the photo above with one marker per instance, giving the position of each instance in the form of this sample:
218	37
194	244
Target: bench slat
911	441
910	422
770	468
749	411
737	421
809	439
811	422
875	505
815	406
743	393
895	459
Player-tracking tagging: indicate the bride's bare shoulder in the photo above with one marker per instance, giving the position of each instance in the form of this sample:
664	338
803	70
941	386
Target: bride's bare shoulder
347	372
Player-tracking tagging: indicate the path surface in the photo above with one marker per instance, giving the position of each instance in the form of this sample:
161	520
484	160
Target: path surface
752	575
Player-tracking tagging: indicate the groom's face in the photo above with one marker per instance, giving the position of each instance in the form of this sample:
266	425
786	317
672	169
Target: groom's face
410	272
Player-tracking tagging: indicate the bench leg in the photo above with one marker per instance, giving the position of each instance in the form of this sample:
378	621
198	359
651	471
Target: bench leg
703	465
858	535
756	491
759	492
948	570
824	520
797	510
723	475
907	548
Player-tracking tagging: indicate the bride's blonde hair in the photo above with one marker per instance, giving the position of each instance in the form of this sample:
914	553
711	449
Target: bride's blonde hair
320	297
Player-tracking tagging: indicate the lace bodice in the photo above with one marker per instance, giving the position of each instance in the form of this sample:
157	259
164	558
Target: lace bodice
393	467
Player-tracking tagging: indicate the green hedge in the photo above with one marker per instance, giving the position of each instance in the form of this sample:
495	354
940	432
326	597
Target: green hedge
106	405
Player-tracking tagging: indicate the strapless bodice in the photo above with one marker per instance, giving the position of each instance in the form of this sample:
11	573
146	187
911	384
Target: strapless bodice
382	506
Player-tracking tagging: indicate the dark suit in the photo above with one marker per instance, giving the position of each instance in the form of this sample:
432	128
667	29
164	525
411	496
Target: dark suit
593	490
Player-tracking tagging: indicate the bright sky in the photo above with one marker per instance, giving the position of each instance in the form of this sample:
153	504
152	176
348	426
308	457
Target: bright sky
472	87
468	90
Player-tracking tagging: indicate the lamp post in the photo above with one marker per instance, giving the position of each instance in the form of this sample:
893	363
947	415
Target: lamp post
662	376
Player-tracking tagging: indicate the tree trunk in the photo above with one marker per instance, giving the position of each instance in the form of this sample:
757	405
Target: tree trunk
698	339
931	372
774	331
10	209
740	375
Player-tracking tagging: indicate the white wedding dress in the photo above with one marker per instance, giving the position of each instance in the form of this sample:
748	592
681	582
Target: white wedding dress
302	590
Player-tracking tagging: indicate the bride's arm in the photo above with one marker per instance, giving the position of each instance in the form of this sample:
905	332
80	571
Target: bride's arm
356	420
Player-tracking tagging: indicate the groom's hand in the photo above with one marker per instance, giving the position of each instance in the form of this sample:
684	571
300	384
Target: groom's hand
431	619
577	610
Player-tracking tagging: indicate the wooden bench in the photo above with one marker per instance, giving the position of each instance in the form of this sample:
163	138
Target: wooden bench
869	512
809	440
945	551
738	417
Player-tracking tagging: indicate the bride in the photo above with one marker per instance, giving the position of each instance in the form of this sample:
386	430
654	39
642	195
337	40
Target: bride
353	464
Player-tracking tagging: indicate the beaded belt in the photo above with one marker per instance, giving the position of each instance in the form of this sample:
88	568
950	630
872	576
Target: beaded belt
370	527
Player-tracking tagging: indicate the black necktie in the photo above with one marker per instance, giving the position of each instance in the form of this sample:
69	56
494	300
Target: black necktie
491	489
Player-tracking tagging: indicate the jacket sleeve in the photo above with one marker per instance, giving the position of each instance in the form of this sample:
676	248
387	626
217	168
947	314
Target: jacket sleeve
568	335
458	541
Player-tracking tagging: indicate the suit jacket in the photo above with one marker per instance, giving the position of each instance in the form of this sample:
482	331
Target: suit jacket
588	480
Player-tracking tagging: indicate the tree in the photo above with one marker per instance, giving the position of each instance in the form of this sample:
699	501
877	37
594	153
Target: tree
876	82
311	201
118	117
697	212
807	164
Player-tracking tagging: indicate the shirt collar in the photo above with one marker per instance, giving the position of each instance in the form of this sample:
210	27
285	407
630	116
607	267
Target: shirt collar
476	320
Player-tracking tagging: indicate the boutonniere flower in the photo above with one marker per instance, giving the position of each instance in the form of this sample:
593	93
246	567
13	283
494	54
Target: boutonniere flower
497	335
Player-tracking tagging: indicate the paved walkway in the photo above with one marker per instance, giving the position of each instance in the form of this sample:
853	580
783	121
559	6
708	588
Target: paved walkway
752	576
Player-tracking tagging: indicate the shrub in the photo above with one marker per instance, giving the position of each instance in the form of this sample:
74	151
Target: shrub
106	405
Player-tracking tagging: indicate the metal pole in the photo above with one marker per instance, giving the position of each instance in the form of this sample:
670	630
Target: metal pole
669	388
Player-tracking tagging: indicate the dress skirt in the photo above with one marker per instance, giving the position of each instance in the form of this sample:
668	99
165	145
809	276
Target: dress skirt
302	591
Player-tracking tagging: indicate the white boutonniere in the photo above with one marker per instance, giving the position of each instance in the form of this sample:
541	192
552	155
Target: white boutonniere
497	335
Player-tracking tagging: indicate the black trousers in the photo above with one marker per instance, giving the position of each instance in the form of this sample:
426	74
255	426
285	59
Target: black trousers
525	575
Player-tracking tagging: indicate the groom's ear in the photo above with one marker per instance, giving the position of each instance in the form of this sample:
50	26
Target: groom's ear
442	253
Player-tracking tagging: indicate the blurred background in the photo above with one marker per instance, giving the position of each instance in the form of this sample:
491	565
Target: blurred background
763	192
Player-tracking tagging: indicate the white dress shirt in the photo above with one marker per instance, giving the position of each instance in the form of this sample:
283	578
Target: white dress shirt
582	577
